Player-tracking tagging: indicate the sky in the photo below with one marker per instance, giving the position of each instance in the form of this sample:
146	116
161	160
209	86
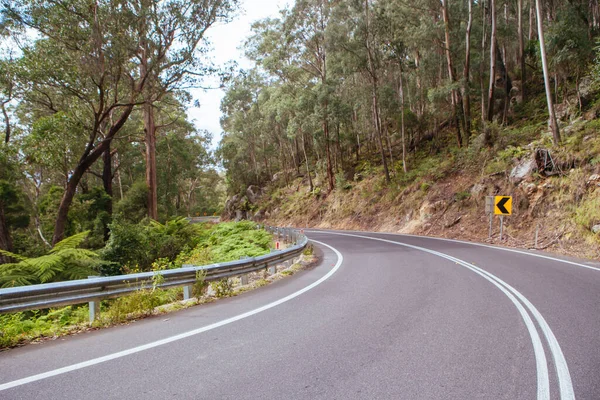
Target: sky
227	42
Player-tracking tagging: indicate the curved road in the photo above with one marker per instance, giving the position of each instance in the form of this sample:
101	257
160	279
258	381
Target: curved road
382	317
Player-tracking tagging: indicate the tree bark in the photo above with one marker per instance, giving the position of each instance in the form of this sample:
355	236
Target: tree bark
310	182
466	75
7	127
482	63
151	181
552	122
107	177
521	57
404	167
373	73
5	238
490	110
451	74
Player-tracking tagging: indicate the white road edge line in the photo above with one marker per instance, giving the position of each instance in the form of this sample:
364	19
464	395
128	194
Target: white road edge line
184	335
543	392
489	247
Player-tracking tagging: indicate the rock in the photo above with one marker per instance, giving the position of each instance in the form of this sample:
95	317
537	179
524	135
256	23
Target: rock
596	228
595	178
454	222
240	215
477	189
253	193
522	170
530	188
586	88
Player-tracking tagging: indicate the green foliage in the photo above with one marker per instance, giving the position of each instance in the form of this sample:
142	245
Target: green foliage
587	214
461	196
134	206
138	246
64	261
21	327
12	203
341	183
223	287
230	241
511	153
138	304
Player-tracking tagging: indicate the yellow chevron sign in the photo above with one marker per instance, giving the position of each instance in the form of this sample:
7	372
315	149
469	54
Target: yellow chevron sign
503	205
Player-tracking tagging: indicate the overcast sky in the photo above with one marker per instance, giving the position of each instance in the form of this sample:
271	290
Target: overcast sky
227	40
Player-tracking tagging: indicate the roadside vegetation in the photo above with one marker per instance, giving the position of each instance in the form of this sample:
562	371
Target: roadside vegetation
171	245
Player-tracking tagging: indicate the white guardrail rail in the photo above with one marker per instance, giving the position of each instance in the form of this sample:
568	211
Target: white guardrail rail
94	289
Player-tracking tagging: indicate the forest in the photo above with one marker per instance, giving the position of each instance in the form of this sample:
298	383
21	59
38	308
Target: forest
97	150
402	115
335	81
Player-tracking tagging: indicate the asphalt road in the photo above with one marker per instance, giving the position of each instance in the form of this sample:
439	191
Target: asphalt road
382	317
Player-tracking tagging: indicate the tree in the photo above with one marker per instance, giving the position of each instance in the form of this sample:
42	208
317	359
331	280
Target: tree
172	47
552	116
83	70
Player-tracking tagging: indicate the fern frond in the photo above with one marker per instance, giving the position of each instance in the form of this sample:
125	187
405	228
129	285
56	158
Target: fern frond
71	242
12	255
46	267
77	254
77	272
9	281
16	274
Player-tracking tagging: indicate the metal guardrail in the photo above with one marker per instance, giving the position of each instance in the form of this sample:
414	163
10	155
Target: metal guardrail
94	289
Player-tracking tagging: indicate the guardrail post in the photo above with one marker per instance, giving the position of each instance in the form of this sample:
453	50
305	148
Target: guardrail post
244	278
94	306
187	292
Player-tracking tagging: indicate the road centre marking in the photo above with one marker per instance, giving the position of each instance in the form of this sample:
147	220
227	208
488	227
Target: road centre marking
562	370
109	357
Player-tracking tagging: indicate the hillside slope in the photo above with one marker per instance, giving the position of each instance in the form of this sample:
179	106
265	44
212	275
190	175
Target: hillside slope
443	193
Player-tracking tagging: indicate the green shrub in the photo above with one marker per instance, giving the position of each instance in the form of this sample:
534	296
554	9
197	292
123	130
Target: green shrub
223	287
138	246
134	206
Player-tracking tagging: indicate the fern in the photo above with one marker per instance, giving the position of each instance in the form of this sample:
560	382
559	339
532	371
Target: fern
64	262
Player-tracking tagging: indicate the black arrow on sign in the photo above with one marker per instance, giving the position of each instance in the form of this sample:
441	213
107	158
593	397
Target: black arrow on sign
501	204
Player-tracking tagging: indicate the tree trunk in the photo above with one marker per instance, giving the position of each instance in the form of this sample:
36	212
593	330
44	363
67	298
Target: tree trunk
531	20
467	77
482	62
7	127
553	123
490	110
373	73
455	98
151	181
84	164
507	84
5	239
379	134
521	57
107	178
404	167
310	182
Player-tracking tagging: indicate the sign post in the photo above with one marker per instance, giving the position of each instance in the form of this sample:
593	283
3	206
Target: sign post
489	209
502	207
498	205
